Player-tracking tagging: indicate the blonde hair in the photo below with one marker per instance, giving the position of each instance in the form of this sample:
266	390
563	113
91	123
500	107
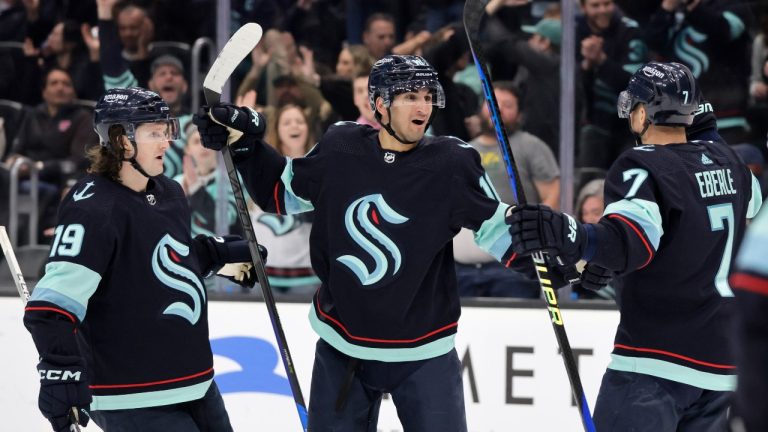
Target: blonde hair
106	160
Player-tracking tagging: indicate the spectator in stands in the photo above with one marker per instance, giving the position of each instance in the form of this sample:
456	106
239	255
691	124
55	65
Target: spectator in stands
125	32
610	49
754	159
287	236
379	34
167	80
337	88
711	38
199	182
590	203
448	52
758	84
360	94
539	77
478	274
56	135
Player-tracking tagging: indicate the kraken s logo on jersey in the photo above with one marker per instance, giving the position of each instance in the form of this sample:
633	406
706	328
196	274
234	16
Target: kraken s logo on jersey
366	212
166	263
279	224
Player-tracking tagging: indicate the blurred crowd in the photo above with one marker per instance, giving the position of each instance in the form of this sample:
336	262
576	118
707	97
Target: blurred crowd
311	69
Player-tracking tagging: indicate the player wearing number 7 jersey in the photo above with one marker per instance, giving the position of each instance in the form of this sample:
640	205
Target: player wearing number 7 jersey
675	213
119	318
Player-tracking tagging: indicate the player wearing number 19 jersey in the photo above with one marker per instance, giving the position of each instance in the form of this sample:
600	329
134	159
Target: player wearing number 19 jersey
675	213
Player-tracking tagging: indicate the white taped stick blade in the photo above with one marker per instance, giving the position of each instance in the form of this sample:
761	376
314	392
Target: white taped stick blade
237	48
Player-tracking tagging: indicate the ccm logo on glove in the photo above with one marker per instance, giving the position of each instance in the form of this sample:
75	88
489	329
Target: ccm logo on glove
59	375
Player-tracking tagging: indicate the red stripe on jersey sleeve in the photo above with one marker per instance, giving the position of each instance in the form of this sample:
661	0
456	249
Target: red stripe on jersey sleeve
639	234
43	308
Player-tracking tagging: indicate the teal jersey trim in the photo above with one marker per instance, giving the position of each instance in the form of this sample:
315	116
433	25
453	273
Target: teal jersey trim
493	235
644	212
735	24
68	285
151	399
757	199
733	122
673	372
124	80
293	203
754	249
423	352
293	282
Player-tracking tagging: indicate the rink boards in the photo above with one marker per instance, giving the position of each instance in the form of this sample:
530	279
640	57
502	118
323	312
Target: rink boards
514	378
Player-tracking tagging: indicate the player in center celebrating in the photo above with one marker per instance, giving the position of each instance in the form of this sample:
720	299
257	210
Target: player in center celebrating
387	204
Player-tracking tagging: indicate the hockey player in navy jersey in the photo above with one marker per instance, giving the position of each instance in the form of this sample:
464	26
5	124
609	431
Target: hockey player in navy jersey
119	318
387	204
676	212
750	282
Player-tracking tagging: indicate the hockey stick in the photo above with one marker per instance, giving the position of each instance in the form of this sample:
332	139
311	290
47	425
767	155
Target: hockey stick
473	14
21	286
237	48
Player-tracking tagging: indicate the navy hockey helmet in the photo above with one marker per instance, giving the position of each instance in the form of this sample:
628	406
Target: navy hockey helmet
668	91
395	74
129	107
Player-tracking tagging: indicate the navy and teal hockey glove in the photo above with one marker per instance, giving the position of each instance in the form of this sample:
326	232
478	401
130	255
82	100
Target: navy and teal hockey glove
539	228
595	278
226	124
63	391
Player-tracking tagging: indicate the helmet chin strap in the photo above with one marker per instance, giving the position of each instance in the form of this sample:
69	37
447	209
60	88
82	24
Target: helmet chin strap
134	163
639	136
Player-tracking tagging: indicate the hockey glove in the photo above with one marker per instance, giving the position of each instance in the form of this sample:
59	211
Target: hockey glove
214	252
539	228
595	278
226	124
62	389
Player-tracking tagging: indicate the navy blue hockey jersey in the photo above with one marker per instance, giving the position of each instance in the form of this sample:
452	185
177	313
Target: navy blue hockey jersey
122	272
382	232
682	211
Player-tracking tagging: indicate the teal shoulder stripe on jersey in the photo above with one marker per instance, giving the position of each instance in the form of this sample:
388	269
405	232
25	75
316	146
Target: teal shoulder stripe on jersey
68	285
493	235
293	203
124	80
673	372
423	352
754	249
757	199
151	398
487	187
644	212
735	24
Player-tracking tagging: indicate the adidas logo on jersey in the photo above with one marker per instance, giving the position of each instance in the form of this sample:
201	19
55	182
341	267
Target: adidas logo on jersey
706	160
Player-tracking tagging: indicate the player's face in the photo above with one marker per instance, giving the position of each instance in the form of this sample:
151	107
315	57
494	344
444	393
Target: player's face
152	140
410	114
598	13
292	130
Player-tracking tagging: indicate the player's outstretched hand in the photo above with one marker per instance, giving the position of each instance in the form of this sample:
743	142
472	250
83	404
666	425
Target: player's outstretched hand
226	124
595	278
61	390
539	228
